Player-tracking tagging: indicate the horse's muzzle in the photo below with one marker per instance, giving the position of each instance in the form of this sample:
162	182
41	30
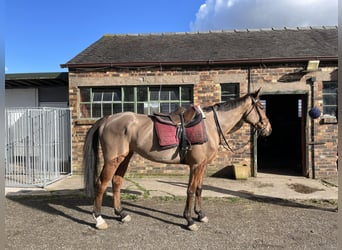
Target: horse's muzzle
265	130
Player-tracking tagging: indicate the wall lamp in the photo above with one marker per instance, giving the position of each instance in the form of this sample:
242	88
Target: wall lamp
312	66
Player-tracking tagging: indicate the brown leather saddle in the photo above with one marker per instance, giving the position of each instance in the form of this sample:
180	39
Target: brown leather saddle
190	116
182	127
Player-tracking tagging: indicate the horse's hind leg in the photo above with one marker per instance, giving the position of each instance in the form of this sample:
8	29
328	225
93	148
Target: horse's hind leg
117	182
194	186
198	203
106	175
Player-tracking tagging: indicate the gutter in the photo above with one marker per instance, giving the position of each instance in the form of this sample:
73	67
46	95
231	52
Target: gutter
247	61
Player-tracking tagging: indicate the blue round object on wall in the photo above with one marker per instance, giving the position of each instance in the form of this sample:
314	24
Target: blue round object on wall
314	113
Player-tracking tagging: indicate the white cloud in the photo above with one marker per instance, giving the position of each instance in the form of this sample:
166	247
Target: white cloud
243	14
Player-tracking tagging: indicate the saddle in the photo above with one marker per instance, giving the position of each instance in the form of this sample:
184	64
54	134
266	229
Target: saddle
174	118
182	127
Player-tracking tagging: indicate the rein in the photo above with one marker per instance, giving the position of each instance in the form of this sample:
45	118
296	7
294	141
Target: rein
220	132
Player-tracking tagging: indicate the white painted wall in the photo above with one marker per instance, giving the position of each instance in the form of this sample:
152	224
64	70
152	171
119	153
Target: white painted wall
20	98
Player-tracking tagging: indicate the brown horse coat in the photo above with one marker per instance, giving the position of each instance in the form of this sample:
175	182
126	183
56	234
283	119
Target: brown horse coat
123	134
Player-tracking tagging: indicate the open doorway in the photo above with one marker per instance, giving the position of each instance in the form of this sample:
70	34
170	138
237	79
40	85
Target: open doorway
283	152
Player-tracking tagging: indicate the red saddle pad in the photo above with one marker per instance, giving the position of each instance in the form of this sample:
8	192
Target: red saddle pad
167	134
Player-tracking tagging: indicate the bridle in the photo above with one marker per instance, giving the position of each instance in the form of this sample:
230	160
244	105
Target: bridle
258	126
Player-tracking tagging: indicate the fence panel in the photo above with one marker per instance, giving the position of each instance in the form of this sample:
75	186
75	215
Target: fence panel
38	146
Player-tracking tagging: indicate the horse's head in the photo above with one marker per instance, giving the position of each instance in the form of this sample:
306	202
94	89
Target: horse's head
256	116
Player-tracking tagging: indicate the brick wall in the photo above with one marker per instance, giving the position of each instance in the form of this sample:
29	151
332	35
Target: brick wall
207	91
325	139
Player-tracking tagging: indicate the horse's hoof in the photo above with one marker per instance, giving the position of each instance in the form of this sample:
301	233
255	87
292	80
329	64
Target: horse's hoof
204	219
193	227
101	223
102	226
127	218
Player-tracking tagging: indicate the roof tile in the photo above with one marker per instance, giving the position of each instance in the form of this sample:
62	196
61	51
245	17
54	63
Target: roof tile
212	46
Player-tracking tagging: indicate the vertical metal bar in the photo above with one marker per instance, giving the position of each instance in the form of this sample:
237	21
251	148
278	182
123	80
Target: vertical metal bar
45	153
56	155
69	121
7	147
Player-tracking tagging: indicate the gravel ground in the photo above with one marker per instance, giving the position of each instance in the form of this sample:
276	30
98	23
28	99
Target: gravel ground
65	222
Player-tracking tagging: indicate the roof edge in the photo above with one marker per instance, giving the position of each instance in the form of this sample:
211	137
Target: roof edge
286	28
42	75
245	61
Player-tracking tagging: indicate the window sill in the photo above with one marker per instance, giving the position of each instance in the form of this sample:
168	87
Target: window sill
85	121
328	120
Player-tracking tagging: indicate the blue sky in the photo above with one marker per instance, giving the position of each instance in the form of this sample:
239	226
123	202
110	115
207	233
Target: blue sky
42	34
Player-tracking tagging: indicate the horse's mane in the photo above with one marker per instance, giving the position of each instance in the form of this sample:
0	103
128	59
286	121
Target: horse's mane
227	105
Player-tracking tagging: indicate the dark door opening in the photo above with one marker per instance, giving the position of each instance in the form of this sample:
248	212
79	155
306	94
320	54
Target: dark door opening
283	152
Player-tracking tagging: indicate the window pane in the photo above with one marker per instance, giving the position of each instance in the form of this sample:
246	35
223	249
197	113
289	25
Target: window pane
85	110
97	110
229	91
330	87
85	95
154	107
330	110
128	94
168	107
329	99
107	96
174	94
164	95
97	96
154	94
117	94
164	108
117	108
128	107
169	93
142	94
186	93
107	109
141	108
173	106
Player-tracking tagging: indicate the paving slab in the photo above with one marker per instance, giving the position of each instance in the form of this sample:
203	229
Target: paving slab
263	186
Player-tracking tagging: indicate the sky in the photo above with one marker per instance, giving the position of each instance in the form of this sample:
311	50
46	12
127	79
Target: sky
42	34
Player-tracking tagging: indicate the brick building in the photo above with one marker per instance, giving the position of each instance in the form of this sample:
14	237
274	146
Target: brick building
296	68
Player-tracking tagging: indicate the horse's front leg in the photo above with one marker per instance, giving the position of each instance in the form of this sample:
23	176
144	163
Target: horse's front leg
188	207
198	206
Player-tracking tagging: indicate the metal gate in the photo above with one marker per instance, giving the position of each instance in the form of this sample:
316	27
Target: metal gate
38	146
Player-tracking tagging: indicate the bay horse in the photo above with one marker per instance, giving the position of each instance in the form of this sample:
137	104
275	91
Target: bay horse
122	134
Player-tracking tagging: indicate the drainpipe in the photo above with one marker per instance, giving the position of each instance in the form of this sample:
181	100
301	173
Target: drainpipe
255	138
249	80
312	132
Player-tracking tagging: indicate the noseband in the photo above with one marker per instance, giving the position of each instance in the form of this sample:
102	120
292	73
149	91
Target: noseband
260	125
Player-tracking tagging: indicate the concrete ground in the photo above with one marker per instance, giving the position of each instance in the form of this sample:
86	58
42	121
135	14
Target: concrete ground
263	186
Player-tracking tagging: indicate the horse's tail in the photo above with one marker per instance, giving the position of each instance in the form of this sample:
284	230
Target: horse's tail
90	158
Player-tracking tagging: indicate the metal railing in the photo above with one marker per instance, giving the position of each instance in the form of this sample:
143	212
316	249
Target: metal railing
38	146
